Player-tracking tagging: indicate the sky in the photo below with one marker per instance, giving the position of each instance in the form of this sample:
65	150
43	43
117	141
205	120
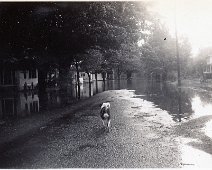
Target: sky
193	18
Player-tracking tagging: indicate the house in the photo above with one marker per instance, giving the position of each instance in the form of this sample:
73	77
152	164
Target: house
74	77
27	79
157	74
99	76
207	72
85	77
113	75
20	79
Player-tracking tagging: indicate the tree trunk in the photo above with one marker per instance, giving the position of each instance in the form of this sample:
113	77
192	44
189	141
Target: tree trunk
42	74
103	85
179	104
96	83
89	81
129	75
78	80
118	73
119	84
63	77
103	76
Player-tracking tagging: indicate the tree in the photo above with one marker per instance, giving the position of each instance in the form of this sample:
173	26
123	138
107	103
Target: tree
91	63
185	56
159	51
200	61
59	33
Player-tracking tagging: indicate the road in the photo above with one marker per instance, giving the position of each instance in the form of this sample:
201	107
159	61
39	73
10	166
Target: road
141	136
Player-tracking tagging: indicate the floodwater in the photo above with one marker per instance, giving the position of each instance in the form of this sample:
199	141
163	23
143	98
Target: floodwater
181	105
199	158
208	129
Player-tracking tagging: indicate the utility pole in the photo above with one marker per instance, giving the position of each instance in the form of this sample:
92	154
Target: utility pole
177	49
178	67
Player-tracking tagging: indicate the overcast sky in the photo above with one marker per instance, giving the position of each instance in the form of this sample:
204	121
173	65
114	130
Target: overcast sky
194	19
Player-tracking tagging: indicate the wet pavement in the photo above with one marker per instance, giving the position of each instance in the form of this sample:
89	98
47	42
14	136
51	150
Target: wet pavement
148	130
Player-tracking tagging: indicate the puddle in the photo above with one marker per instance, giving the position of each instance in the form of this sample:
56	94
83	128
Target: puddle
148	110
208	129
194	158
191	157
200	108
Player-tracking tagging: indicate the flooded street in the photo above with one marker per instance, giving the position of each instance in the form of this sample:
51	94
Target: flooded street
160	108
194	103
69	70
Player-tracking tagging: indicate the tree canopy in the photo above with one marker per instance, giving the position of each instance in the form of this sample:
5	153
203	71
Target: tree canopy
59	33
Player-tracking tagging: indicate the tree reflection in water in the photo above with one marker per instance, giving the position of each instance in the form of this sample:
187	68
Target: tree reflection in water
180	103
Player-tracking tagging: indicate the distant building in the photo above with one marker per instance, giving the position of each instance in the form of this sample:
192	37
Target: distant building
52	78
74	77
99	76
83	77
158	74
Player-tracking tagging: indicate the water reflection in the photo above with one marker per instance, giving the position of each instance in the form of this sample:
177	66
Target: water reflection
167	97
199	159
200	107
208	129
18	105
180	103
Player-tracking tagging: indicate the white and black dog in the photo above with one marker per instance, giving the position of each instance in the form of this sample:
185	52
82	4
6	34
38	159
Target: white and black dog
105	114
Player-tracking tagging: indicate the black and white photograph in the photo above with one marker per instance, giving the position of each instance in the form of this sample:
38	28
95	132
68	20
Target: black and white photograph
106	84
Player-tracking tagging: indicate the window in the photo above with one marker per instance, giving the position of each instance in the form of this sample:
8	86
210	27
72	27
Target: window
8	77
24	74
1	77
32	73
26	107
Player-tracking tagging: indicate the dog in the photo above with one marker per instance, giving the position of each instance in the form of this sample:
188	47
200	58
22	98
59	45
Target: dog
105	114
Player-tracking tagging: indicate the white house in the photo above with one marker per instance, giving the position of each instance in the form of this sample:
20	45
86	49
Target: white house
22	79
27	78
93	77
208	68
99	76
86	78
74	77
207	72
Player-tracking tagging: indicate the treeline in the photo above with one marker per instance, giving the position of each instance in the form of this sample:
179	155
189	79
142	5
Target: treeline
93	36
